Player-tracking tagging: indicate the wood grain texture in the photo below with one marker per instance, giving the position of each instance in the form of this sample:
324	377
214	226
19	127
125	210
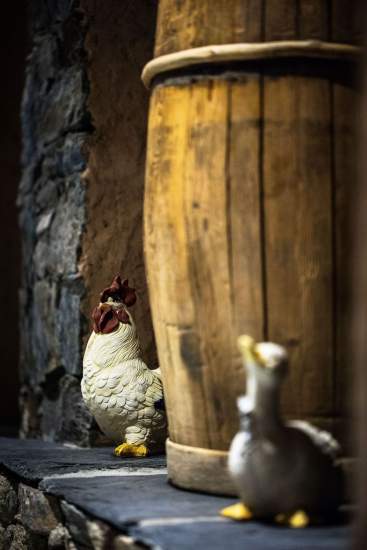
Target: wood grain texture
346	25
289	20
184	24
280	20
199	251
344	165
313	20
358	331
245	209
197	467
298	237
347	20
165	250
245	220
299	218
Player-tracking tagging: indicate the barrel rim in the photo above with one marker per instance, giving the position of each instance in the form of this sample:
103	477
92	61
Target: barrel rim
205	55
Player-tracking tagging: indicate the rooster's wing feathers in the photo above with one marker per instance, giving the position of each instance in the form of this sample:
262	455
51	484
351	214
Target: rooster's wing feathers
130	386
154	393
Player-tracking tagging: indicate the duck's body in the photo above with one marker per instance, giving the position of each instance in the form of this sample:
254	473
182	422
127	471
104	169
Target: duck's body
284	472
280	469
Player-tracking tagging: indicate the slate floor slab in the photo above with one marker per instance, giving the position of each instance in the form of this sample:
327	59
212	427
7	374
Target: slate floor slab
34	460
226	535
134	496
123	500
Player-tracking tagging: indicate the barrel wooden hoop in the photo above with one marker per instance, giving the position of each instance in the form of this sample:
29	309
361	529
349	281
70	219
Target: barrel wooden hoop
247	51
203	469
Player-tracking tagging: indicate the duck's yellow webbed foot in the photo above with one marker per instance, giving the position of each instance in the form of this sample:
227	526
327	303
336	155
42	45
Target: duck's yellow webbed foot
238	512
281	519
129	449
298	520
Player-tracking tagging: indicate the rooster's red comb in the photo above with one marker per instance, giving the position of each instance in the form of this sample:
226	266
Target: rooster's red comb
119	292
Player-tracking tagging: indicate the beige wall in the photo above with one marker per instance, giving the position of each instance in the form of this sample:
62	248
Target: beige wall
119	42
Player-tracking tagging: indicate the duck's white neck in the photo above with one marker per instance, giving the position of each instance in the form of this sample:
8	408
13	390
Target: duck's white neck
262	401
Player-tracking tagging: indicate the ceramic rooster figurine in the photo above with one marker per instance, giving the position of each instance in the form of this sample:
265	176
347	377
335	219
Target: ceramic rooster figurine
283	471
124	396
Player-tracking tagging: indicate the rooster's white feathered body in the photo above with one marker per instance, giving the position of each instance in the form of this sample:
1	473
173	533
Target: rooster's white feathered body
122	393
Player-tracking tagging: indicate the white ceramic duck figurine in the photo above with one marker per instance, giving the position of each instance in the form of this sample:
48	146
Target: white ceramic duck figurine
283	471
124	396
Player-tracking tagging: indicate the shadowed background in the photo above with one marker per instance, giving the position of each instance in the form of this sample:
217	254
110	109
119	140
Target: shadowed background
13	38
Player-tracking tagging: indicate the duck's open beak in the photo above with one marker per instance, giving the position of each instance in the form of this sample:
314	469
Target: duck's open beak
247	346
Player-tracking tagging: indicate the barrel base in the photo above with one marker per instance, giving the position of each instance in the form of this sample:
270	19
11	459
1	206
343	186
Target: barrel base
198	469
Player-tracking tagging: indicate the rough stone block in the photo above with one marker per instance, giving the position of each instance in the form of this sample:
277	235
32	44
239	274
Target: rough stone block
44	222
37	512
16	538
66	418
86	532
43	320
59	538
56	252
67	331
44	14
64	109
46	195
76	522
123	542
100	535
8	501
30	401
73	154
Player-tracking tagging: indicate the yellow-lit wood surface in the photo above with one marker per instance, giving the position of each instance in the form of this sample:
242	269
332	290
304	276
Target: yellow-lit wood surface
247	197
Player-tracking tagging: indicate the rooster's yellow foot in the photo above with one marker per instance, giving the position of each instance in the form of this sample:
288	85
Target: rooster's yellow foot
238	511
129	449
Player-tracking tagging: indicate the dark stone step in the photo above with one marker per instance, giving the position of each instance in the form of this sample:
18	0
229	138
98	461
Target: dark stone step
33	460
134	497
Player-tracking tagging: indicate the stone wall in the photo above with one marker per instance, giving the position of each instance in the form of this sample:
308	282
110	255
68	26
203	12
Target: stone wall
33	520
84	122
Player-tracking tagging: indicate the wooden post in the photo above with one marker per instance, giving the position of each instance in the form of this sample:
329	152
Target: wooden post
247	171
359	345
359	324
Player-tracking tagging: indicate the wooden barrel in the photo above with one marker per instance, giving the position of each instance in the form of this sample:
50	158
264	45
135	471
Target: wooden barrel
250	154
